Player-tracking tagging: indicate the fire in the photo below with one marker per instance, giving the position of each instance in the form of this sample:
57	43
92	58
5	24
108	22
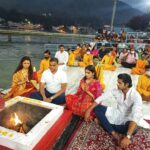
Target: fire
17	123
17	120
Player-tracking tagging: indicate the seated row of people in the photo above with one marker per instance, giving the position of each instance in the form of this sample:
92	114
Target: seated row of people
85	101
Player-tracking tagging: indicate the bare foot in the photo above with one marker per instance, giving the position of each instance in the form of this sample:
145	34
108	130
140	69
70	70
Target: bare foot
117	137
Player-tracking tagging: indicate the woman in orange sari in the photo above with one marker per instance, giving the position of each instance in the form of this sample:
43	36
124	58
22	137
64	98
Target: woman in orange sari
23	83
88	90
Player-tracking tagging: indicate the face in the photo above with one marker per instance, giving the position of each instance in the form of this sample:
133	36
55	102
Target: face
89	74
46	56
26	64
53	66
124	50
61	48
121	85
88	52
95	61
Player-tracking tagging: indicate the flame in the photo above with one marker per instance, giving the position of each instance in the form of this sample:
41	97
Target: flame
16	119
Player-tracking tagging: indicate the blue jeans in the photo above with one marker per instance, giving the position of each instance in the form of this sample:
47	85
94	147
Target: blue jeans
100	114
58	100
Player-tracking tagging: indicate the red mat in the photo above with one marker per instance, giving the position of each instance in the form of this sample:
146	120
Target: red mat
90	136
50	138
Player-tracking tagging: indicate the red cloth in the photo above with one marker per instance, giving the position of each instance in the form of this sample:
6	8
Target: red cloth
2	103
81	101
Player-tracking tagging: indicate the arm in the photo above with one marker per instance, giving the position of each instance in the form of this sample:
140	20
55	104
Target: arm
18	79
61	91
88	111
134	118
97	101
126	140
42	91
139	85
97	90
41	67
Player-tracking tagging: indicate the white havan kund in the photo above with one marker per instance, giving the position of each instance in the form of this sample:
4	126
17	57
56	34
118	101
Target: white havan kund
14	137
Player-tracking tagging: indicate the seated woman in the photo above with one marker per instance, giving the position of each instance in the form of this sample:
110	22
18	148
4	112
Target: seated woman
99	71
140	66
143	86
108	62
95	51
122	55
23	83
88	90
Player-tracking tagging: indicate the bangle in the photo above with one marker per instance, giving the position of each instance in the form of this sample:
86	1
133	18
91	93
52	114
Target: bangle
128	136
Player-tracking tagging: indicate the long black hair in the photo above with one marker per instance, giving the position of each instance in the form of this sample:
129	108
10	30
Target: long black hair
92	69
20	66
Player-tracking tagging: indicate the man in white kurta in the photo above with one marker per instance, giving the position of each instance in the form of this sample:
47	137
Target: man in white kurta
123	118
62	57
53	84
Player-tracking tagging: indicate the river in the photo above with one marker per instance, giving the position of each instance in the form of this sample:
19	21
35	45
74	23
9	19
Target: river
12	52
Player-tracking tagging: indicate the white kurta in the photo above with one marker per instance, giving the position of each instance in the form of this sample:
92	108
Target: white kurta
62	58
129	109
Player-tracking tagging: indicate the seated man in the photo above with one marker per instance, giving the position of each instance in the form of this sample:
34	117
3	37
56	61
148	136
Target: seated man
53	84
62	57
125	116
143	86
44	64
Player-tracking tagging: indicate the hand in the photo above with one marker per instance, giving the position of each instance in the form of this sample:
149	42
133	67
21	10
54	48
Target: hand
125	142
87	116
27	79
84	87
47	100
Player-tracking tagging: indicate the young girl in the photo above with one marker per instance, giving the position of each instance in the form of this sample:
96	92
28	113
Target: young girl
88	90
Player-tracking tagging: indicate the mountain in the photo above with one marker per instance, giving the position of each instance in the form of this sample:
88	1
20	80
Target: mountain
76	11
142	5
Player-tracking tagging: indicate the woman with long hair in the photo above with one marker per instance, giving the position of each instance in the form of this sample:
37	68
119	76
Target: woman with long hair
88	90
23	83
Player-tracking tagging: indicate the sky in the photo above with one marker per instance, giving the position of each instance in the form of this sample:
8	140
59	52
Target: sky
142	5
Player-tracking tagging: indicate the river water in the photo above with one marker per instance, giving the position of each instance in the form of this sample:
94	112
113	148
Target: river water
12	52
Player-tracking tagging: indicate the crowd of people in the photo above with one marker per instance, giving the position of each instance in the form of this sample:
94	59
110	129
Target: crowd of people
87	101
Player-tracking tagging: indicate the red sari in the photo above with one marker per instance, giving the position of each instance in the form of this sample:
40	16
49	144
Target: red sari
81	101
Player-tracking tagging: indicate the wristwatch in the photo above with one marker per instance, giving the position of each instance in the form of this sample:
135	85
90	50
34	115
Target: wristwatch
128	136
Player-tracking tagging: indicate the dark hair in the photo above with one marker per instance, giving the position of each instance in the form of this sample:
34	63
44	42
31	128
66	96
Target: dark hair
48	52
20	66
147	67
92	69
61	45
54	60
95	57
126	78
